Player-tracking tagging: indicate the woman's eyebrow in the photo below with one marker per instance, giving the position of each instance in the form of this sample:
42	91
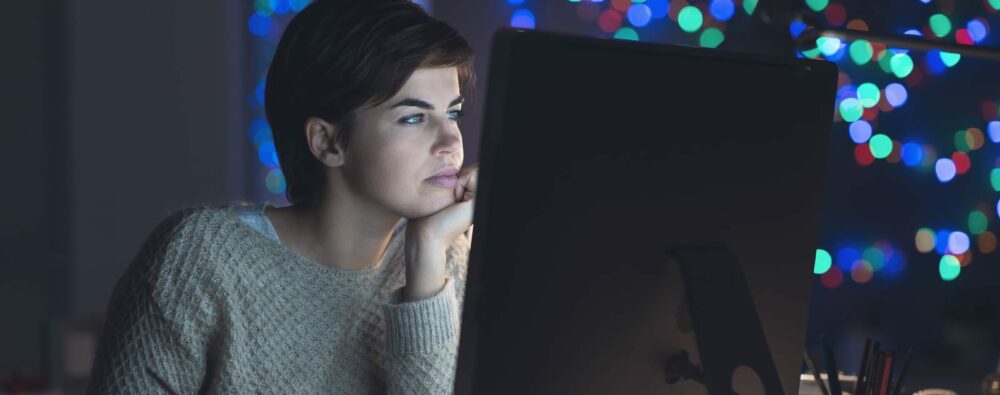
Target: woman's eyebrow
422	104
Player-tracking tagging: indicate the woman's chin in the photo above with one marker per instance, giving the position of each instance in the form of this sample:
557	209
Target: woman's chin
430	205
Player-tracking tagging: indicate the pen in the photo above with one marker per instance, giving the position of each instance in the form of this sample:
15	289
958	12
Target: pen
902	372
886	374
860	385
815	372
832	373
873	362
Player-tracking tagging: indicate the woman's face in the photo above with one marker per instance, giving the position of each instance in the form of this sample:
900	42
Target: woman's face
397	145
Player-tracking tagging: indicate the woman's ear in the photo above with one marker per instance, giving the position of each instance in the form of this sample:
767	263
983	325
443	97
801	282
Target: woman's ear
322	139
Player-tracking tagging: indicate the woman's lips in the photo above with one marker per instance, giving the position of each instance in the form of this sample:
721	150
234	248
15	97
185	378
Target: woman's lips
444	181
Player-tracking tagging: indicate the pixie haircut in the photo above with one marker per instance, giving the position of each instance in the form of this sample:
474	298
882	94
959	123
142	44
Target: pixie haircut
336	56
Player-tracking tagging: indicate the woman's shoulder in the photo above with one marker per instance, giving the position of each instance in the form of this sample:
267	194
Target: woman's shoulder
186	217
175	269
192	231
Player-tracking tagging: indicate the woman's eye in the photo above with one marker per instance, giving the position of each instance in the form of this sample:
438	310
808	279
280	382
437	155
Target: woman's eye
417	118
412	119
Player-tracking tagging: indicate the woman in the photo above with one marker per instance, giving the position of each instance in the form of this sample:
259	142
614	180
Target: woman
357	286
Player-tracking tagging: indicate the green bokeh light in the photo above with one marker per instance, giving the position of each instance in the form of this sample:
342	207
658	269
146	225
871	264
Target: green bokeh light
949	267
885	61
995	4
690	19
850	109
265	7
828	45
823	261
875	257
995	179
961	143
861	51
275	181
812	53
950	59
817	5
930	156
869	94
711	38
901	64
750	5
627	33
880	146
940	25
977	222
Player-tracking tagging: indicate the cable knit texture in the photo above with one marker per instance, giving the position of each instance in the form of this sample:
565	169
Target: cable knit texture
209	304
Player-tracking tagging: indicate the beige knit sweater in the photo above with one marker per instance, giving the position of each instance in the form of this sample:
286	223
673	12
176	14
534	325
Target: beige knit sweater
209	304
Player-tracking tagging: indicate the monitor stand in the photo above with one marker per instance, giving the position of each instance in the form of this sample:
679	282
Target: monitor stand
727	330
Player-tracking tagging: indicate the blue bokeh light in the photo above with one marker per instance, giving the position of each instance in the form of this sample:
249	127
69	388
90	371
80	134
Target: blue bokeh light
523	18
847	91
945	170
259	24
941	241
259	92
281	7
934	62
846	257
658	9
796	28
894	265
993	129
860	131
260	132
913	154
958	242
722	9
298	5
895	94
976	29
639	14
267	154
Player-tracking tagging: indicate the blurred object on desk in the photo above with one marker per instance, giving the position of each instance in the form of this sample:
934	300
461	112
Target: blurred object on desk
807	384
991	383
935	391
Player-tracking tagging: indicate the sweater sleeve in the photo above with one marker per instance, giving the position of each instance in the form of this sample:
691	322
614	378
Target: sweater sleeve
159	317
422	336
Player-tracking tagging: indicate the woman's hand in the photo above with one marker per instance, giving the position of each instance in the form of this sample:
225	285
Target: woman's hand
447	224
428	238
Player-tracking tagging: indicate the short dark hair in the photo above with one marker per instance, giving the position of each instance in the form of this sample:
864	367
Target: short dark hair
338	55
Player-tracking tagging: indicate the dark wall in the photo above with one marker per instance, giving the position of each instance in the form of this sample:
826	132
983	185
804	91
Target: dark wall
32	255
155	98
115	113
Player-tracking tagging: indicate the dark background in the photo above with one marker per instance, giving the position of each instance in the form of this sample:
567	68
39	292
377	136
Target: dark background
117	112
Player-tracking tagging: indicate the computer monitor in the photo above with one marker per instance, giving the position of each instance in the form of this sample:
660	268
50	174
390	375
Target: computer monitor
599	159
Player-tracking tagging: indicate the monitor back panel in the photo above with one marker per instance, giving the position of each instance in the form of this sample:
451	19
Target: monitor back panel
598	156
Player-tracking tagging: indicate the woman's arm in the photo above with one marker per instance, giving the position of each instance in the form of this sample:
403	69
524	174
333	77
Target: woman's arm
422	335
422	318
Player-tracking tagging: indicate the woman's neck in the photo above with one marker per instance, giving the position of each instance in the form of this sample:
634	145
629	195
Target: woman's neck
342	232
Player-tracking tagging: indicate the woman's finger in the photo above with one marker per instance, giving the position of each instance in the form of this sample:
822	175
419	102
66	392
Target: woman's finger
467	180
473	180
